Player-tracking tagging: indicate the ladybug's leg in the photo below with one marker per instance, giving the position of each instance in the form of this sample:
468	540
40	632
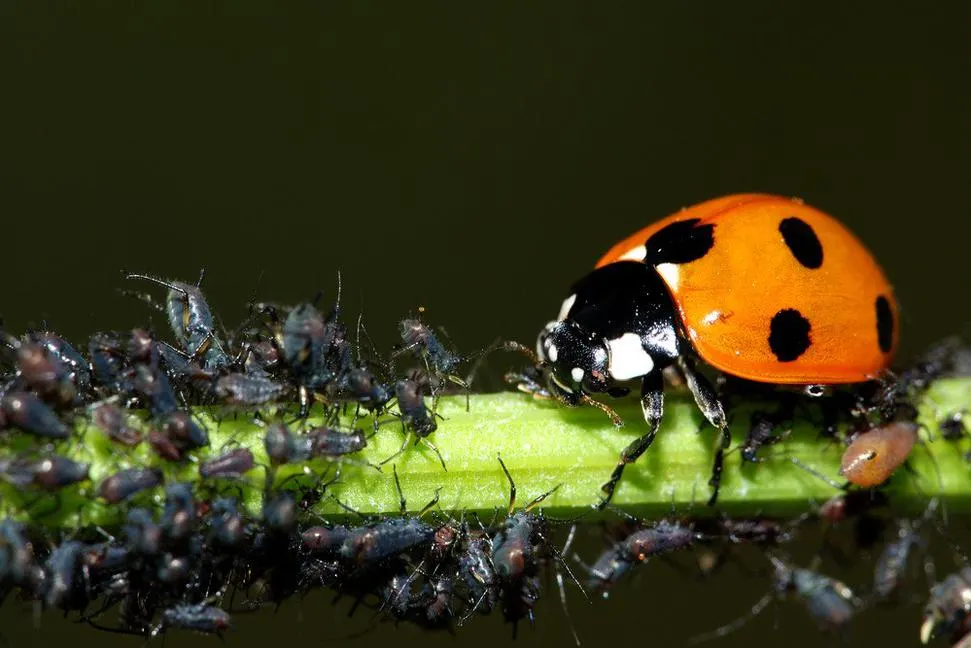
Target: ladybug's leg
711	407
652	403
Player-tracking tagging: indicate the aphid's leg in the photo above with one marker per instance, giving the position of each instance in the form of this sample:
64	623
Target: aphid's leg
304	404
401	494
400	451
434	448
652	403
512	485
432	504
528	385
711	407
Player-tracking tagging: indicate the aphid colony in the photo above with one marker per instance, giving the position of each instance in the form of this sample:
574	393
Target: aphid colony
188	557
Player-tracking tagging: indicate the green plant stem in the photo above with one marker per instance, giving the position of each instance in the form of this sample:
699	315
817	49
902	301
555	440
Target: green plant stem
544	445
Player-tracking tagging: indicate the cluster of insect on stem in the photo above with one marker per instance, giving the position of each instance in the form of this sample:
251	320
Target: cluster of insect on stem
190	555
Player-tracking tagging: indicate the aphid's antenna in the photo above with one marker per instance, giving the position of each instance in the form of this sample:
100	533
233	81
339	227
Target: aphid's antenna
819	475
202	275
160	281
734	625
559	582
477	365
336	312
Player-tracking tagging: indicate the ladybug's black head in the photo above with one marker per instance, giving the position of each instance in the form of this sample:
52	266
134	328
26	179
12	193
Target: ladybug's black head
573	360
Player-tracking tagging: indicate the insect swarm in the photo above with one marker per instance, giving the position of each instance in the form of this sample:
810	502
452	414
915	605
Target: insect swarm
172	458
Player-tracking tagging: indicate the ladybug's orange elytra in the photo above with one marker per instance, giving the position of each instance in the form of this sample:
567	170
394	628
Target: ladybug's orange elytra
785	293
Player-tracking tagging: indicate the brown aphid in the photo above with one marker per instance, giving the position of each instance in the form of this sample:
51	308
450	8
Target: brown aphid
874	455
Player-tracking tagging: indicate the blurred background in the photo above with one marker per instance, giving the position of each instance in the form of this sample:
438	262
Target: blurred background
474	163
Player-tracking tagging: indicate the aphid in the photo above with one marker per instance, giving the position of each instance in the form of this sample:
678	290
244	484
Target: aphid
154	387
516	551
325	539
126	483
25	411
759	531
284	447
952	426
163	446
416	418
227	528
105	558
142	349
946	613
419	338
184	432
431	608
373	543
246	389
873	456
315	350
762	532
143	534
280	512
108	360
67	355
761	433
198	617
831	603
661	298
479	575
43	373
113	422
365	389
851	504
439	362
179	514
328	442
191	321
50	473
662	538
892	564
62	568
16	554
233	464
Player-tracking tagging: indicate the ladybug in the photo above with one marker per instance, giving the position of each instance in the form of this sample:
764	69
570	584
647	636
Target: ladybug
760	287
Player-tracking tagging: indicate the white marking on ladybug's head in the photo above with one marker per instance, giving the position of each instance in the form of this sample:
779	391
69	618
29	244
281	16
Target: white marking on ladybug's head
634	254
627	357
543	340
551	353
565	308
671	273
577	374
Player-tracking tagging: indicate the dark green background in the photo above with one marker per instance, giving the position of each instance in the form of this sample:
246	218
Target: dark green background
472	161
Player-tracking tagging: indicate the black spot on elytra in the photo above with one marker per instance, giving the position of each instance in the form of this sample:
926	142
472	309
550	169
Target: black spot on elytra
885	324
789	335
680	242
802	242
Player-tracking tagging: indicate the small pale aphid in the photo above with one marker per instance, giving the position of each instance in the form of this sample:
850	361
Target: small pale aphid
874	455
